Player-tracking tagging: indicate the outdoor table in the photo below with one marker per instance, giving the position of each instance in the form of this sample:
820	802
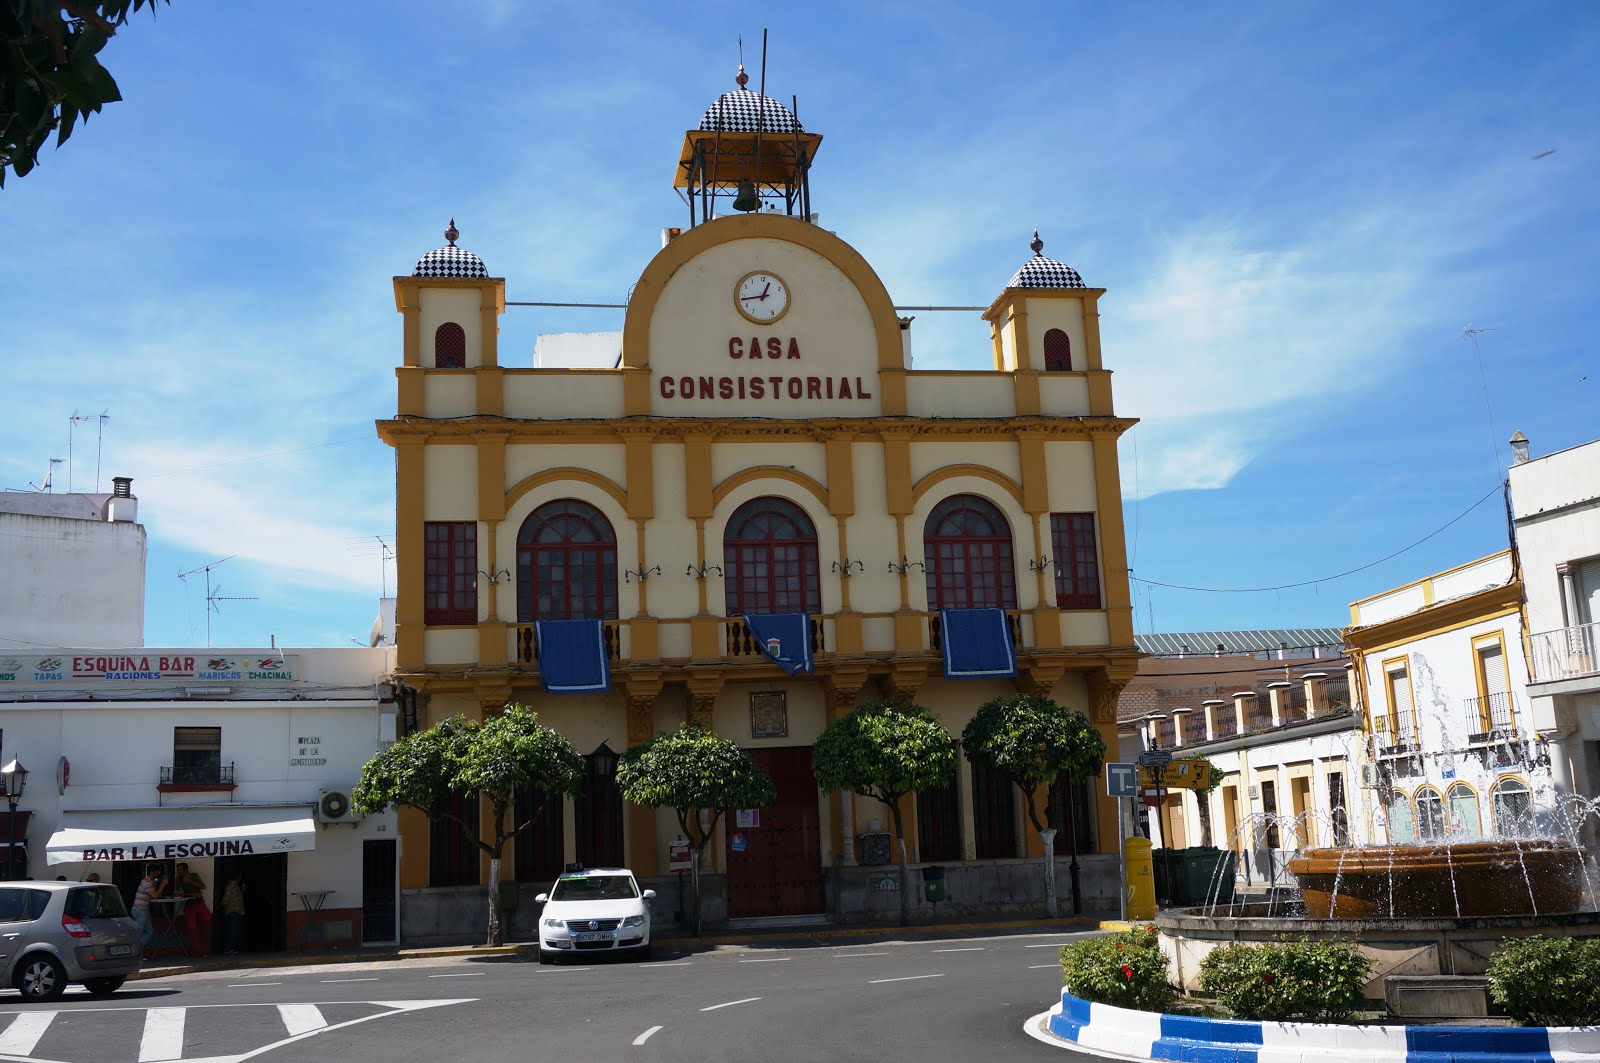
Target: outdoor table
312	901
170	909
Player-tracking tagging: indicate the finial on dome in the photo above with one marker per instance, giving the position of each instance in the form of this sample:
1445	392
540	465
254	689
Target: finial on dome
1037	244
452	235
742	78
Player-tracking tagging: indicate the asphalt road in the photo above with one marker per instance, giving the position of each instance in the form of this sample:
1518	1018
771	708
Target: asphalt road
922	1000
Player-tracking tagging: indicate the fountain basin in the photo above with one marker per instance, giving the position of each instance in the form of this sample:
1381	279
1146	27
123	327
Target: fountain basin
1466	880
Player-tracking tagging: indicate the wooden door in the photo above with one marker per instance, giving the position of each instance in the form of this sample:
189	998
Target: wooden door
775	867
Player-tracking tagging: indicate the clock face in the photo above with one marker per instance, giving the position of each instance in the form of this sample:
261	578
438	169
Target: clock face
761	297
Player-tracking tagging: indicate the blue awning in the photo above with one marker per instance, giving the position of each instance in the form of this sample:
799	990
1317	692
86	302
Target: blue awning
572	656
977	644
783	637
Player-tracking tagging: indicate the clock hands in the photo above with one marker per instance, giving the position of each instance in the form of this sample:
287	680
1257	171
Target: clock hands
763	295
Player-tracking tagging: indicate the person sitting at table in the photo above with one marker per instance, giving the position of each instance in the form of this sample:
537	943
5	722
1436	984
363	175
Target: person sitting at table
151	886
196	916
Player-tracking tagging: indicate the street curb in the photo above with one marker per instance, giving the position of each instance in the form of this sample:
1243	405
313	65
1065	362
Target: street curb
673	941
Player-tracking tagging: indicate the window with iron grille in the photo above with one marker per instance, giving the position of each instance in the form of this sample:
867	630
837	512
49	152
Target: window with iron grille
450	572
769	559
450	346
196	754
939	823
1079	826
967	543
1057	351
452	858
994	815
566	564
538	849
1072	542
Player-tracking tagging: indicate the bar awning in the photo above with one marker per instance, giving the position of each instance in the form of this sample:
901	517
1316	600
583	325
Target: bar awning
180	834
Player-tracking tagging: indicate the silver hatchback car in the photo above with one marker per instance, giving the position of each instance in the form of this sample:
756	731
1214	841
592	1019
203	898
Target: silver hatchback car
56	933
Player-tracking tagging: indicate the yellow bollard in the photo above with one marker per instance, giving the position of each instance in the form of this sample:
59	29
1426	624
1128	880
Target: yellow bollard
1141	881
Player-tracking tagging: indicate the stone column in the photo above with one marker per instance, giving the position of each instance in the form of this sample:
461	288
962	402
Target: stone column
1279	694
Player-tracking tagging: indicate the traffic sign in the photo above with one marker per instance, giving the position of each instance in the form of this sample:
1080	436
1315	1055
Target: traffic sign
1180	774
1122	780
1155	758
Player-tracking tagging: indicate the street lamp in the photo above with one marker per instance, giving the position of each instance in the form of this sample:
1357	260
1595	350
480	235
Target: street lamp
16	777
605	761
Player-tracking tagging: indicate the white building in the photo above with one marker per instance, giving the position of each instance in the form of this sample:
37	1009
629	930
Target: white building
1458	752
71	569
1556	510
228	759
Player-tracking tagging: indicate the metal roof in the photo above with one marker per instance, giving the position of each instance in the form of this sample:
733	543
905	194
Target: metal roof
1203	643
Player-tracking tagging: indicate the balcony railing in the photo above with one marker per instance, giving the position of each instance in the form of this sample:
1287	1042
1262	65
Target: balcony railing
528	646
739	642
936	630
1498	710
1566	653
197	775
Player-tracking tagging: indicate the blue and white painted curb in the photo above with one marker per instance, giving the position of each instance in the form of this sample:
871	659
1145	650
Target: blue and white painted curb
1125	1034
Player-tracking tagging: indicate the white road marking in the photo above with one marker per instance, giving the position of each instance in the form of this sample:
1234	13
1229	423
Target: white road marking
907	978
163	1035
25	1031
731	1003
349	979
642	1038
973	949
838	955
653	966
1042	966
1051	945
771	959
299	1018
249	985
464	974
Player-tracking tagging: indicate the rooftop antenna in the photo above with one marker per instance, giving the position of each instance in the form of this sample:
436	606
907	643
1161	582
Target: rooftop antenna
213	595
1471	334
100	436
383	564
48	487
72	424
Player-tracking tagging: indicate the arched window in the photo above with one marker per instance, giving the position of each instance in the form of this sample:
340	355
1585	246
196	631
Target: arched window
450	346
967	543
1399	818
1465	823
1057	351
566	564
769	559
1430	815
1513	808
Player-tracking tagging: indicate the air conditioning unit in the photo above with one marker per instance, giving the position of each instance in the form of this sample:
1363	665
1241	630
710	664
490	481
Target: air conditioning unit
336	806
1369	777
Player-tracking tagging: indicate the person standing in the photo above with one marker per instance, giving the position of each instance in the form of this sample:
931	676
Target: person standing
196	916
150	886
233	912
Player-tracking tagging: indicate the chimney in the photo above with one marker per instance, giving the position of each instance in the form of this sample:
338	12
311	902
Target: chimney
122	507
1519	449
1316	693
905	339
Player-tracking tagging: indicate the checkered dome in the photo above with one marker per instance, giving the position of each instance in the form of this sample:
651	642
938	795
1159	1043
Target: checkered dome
450	262
1041	272
741	111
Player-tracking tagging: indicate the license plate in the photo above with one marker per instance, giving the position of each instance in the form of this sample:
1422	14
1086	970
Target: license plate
593	937
120	950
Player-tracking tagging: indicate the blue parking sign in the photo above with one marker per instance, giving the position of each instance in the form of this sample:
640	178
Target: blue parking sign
1122	780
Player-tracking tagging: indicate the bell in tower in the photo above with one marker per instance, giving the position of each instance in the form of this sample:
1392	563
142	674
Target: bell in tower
748	147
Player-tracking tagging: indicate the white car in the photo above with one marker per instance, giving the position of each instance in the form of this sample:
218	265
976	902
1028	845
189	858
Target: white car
597	909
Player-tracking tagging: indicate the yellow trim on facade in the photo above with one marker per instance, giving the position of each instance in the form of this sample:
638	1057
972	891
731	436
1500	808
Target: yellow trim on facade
982	472
563	475
1467	611
767	472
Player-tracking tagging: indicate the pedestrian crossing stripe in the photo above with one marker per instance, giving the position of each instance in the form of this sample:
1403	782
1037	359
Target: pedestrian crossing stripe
162	1039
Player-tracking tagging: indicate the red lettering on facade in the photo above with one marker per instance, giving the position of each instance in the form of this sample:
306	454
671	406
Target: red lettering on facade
724	388
666	387
813	388
777	386
861	390
774	347
741	387
794	347
707	387
844	389
797	387
757	389
755	346
686	387
735	347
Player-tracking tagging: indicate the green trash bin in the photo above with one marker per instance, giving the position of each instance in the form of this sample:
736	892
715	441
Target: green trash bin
1166	869
933	884
1205	869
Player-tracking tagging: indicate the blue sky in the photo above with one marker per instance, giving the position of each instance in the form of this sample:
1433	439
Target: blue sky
1296	209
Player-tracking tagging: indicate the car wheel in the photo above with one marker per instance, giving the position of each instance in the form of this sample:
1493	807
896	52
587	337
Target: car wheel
644	954
41	977
103	987
546	957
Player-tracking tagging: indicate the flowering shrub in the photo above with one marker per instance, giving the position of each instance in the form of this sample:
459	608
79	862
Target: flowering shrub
1303	981
1126	969
1543	981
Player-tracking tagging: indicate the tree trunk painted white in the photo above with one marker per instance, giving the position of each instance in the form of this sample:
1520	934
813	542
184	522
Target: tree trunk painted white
905	881
1049	837
496	931
694	885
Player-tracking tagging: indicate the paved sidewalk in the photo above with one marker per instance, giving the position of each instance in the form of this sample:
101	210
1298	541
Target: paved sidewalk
669	938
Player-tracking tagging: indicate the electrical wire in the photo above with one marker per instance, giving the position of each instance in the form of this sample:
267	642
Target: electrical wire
1325	579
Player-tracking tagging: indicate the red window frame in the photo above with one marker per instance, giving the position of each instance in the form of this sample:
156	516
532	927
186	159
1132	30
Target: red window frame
450	572
450	346
769	559
967	543
1077	561
1057	351
566	564
452	858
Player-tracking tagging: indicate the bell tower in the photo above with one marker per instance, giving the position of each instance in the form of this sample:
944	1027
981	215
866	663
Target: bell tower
751	149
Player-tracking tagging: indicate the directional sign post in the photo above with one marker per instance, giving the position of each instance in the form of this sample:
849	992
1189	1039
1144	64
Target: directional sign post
1156	760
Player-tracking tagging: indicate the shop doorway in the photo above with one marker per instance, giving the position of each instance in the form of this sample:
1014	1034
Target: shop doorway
378	892
266	899
775	866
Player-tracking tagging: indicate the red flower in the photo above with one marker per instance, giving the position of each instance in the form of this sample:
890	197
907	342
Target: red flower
1119	946
1127	972
1268	976
1151	928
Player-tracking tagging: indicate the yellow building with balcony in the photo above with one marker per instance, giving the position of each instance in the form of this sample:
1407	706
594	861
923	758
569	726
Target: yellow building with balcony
761	448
